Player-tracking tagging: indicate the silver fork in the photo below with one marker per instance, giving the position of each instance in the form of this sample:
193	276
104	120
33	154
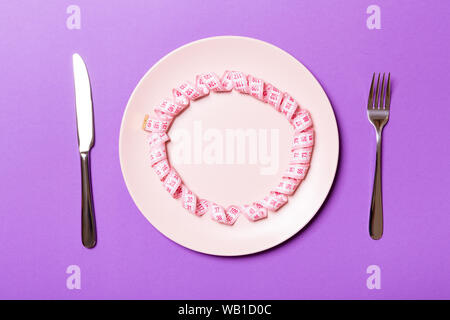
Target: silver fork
378	114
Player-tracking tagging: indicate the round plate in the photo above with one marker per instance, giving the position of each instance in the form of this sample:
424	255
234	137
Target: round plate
228	147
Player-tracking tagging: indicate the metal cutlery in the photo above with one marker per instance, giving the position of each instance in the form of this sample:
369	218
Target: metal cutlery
378	113
85	129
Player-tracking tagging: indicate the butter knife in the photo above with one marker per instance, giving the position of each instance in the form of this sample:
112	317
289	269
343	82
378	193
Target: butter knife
85	129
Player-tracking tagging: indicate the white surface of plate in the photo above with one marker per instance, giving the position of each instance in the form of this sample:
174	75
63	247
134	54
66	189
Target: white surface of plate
214	166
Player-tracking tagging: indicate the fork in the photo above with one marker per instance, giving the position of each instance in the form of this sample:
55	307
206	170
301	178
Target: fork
378	114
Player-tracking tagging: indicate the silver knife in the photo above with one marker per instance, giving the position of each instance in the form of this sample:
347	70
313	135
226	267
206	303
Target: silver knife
85	128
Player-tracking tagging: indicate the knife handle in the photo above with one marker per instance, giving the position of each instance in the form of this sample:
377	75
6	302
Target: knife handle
88	229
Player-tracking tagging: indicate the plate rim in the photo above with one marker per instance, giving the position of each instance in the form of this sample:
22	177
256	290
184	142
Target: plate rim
335	161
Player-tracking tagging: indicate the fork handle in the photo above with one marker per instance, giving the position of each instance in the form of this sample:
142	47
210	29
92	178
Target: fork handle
376	207
88	229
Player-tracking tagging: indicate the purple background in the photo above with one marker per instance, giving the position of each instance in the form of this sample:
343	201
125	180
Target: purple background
120	41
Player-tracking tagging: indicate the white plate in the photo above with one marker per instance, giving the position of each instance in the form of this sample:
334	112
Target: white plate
235	183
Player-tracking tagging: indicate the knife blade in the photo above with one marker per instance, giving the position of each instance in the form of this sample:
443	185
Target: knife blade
85	123
85	132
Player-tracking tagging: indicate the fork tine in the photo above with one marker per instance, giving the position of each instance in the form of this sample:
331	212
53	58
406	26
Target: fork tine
388	92
382	94
370	103
377	92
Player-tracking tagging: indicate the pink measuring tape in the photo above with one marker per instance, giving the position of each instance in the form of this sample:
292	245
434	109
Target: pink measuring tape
183	95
